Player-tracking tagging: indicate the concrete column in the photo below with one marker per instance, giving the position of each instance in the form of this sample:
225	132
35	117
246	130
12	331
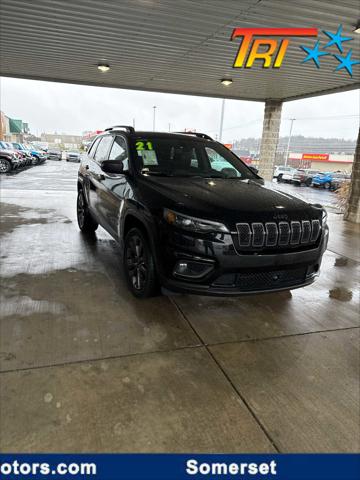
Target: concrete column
270	138
352	212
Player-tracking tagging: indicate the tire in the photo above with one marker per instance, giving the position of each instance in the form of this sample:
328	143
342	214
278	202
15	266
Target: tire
139	265
5	165
85	221
308	182
279	178
327	185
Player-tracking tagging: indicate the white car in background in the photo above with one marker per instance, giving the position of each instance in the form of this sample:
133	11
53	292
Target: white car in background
283	173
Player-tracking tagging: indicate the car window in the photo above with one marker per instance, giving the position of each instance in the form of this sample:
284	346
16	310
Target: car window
93	147
103	148
220	164
119	152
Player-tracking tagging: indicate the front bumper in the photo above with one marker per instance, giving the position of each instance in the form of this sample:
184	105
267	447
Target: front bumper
238	274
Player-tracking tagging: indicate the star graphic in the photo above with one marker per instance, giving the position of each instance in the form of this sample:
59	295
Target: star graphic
346	62
313	54
336	39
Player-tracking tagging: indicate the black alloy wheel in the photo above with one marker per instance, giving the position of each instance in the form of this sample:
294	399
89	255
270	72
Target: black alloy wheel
5	165
85	221
139	265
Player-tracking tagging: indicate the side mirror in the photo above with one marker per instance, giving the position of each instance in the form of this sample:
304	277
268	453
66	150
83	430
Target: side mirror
253	169
112	166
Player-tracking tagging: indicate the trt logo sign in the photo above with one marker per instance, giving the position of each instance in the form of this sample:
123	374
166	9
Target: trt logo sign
270	51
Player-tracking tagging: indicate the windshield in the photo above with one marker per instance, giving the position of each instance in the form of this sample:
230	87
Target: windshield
188	158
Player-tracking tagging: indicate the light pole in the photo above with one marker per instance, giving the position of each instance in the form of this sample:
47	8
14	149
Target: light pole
169	127
221	119
288	145
154	107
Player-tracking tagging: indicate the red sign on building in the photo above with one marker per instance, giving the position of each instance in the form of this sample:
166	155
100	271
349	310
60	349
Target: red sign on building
316	157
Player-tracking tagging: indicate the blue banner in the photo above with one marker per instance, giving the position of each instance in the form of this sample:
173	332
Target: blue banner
180	466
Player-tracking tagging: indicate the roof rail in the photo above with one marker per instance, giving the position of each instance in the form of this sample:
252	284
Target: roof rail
126	127
197	134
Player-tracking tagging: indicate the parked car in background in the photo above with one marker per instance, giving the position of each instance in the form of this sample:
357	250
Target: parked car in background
287	176
304	176
9	160
339	179
330	180
36	156
23	159
54	154
73	157
281	170
39	155
322	180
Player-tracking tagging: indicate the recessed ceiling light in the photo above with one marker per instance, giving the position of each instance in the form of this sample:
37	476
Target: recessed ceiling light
103	67
226	81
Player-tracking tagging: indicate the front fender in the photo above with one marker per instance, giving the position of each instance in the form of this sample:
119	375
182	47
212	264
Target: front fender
143	215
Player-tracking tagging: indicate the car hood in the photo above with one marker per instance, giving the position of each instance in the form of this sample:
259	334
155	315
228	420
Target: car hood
228	200
6	151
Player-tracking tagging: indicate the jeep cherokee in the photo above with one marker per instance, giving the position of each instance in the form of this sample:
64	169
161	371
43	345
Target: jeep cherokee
191	216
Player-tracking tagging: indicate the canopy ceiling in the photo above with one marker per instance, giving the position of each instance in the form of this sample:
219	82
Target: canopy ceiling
177	46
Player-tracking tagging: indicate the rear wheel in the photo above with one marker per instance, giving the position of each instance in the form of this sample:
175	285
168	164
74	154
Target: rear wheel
5	165
308	182
327	185
139	265
85	221
279	178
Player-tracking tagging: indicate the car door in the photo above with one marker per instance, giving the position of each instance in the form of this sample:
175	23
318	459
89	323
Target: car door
115	186
95	175
86	167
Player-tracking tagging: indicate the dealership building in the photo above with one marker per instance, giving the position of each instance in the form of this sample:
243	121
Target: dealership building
324	162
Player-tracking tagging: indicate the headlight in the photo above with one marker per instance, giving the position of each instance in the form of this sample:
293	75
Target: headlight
193	224
324	218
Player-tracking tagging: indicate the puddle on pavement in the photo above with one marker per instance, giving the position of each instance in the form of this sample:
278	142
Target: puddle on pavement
73	314
14	216
342	294
341	262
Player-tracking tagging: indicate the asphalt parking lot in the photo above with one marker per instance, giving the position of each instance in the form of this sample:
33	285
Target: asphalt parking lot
86	367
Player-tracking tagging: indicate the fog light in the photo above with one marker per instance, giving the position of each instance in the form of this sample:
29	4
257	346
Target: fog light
191	269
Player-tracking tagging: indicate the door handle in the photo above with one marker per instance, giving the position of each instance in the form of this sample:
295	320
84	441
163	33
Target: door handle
87	167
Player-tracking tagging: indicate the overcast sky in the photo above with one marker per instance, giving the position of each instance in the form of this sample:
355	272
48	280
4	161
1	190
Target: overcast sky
63	108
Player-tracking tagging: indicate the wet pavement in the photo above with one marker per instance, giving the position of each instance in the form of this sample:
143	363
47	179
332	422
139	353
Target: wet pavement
87	367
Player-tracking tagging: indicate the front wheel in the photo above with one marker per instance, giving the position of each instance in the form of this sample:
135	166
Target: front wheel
279	178
308	182
85	221
139	265
5	165
327	185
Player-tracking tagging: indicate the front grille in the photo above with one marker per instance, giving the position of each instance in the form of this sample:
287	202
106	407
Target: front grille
268	280
282	234
260	280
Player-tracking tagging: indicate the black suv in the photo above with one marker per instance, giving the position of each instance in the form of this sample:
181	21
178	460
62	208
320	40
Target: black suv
191	216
